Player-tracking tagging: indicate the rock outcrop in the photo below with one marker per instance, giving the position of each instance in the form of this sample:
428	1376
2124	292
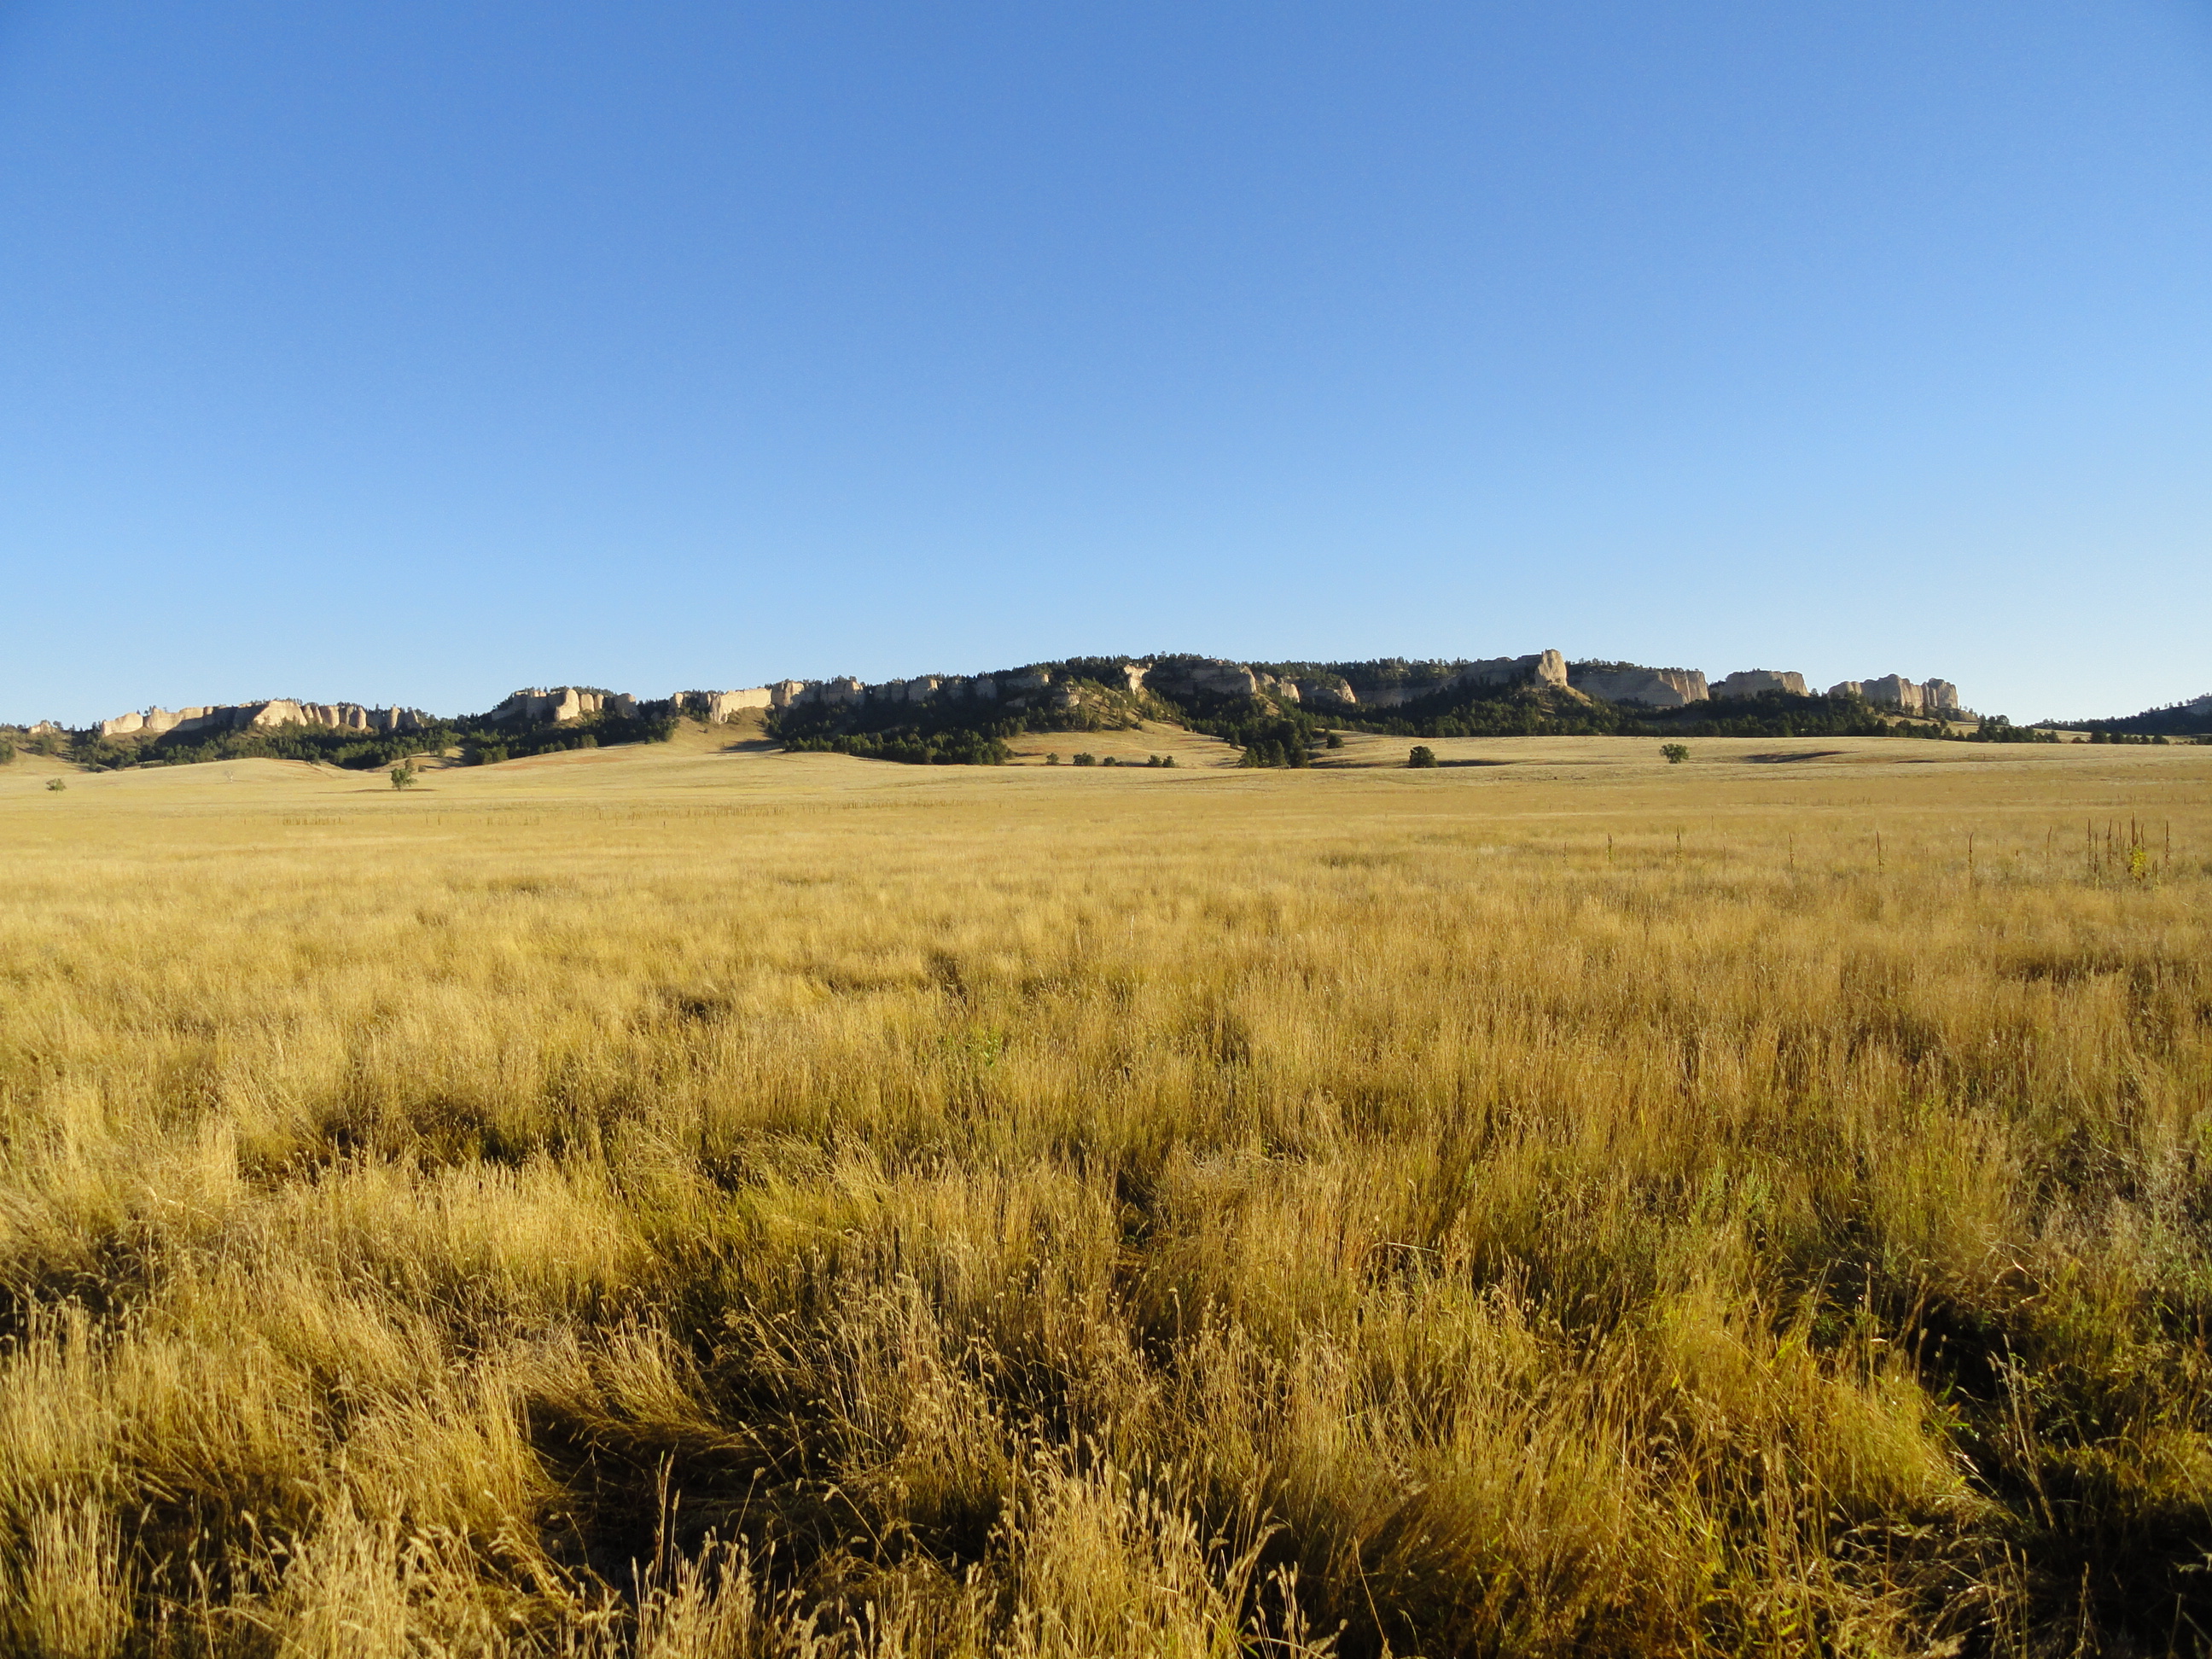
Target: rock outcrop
1654	687
719	706
1183	676
264	716
1895	692
1020	689
1758	682
1539	668
1026	688
1175	677
538	707
1326	689
846	691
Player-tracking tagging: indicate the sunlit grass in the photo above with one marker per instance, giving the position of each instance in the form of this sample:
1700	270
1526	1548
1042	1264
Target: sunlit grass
1693	1210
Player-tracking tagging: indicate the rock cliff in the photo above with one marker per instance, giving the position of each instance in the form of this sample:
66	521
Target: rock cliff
1018	689
1209	676
263	716
1654	687
1539	668
1393	684
1895	692
537	707
1174	677
717	707
1758	682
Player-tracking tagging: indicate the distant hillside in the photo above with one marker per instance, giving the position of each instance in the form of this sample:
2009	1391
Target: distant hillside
2190	719
345	734
1278	713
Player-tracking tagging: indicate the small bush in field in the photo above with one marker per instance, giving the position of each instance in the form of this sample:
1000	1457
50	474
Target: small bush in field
1422	756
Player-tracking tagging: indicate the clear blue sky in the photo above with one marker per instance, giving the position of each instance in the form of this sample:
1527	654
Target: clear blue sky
413	352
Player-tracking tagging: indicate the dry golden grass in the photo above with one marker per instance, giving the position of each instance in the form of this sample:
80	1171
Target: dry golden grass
687	1202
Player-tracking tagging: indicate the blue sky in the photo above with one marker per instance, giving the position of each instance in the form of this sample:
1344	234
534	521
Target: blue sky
412	352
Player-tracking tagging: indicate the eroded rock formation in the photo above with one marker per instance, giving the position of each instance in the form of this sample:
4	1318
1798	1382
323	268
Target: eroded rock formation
717	707
537	707
1538	668
1206	675
1895	692
1174	677
1654	687
1758	682
263	716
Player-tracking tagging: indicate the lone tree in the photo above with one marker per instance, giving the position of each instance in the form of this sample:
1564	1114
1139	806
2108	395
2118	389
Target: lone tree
1676	753
403	775
1422	756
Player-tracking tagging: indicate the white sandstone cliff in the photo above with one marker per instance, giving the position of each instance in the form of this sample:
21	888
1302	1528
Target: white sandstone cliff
1895	692
1654	687
266	716
1539	668
539	707
1758	682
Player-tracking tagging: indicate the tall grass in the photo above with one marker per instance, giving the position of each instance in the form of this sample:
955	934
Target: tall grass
1296	1216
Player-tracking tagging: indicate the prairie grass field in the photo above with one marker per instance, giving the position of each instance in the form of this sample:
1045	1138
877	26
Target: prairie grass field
678	1202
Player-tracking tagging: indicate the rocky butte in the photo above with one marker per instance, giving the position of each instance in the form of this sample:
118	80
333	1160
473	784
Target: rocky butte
1540	668
279	711
1895	692
1673	688
563	703
1182	677
1021	689
1624	682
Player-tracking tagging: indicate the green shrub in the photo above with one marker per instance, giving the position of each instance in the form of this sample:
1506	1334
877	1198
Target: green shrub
1676	753
56	784
1421	756
1086	760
